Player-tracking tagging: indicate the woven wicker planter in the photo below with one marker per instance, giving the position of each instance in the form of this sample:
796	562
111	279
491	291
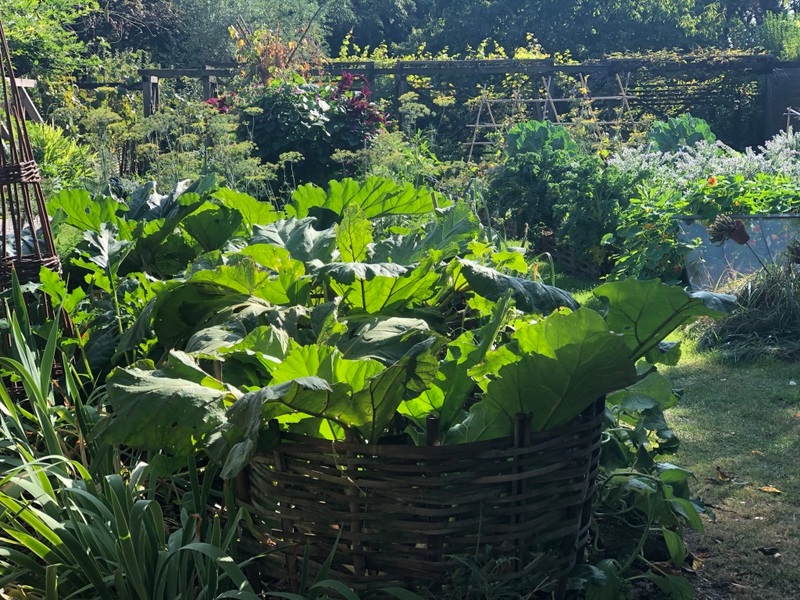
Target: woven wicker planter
401	511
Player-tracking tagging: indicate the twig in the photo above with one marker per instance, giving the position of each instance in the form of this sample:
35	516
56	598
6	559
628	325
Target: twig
303	35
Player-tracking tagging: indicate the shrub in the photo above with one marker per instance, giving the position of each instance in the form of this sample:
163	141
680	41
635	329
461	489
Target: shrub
548	184
315	120
63	161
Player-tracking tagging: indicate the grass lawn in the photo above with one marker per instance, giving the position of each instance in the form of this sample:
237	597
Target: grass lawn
739	426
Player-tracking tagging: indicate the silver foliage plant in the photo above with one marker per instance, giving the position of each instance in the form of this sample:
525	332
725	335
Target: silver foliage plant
778	156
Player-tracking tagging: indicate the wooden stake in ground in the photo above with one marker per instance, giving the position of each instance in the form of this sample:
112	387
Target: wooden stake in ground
26	240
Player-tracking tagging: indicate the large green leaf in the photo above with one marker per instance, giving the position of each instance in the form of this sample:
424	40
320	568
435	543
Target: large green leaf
386	294
325	362
354	236
529	296
299	237
651	391
384	339
485	421
79	209
289	284
645	312
182	308
192	307
161	251
382	396
288	287
247	362
567	362
212	225
235	441
376	197
448	234
349	272
212	339
105	249
251	210
157	410
147	204
454	383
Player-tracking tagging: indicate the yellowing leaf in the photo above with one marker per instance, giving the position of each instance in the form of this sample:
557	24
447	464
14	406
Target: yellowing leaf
770	489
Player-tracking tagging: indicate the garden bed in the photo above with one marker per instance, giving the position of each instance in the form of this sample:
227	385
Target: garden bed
400	514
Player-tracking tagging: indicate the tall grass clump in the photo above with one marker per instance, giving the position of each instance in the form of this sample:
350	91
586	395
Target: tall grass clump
766	322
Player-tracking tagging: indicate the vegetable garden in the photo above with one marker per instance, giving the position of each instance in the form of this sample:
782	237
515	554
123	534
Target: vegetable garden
287	343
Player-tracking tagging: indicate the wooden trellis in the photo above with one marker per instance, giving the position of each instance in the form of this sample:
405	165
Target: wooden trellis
25	235
547	104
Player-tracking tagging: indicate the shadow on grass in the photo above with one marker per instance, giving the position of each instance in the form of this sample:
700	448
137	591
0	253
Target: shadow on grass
740	433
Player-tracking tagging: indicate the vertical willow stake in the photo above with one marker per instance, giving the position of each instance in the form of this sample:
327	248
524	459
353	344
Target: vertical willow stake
26	239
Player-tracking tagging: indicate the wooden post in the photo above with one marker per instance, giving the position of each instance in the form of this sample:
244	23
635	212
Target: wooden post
769	108
400	88
150	94
209	87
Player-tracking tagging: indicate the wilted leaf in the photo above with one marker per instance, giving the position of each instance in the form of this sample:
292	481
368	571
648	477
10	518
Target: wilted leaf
529	296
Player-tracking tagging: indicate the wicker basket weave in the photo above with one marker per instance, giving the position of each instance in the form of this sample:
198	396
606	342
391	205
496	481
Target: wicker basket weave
401	512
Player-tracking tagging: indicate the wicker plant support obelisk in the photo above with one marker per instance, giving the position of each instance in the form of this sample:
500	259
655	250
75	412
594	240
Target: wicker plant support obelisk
25	238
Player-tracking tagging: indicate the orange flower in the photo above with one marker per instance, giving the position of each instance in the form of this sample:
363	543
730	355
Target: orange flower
712	180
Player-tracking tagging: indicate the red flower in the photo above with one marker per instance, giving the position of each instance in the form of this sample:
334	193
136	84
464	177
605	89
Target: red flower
712	180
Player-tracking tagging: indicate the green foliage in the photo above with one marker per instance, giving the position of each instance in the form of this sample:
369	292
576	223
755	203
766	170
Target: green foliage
778	34
63	162
41	35
612	27
375	198
105	541
678	132
547	183
350	362
315	120
411	159
394	309
539	137
70	524
650	236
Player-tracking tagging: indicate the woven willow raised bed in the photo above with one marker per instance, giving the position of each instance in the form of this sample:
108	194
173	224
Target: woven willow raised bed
401	512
